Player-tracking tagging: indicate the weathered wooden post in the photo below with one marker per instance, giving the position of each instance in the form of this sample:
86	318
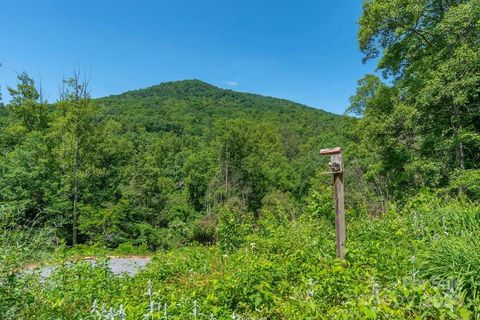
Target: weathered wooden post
336	165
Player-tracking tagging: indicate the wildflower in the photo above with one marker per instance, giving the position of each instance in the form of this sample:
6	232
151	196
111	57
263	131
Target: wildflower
152	307
111	314
94	309
310	291
195	304
149	288
165	312
121	313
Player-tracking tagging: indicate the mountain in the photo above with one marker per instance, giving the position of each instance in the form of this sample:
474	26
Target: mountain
183	106
188	89
157	166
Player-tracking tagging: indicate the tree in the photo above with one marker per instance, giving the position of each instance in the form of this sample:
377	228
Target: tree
426	124
26	181
74	132
27	103
252	162
199	168
25	165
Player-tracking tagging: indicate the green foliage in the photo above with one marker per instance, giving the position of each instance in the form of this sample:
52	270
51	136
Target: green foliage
278	208
454	262
26	103
467	181
234	224
104	225
288	273
205	230
424	124
143	166
450	230
184	163
320	203
19	246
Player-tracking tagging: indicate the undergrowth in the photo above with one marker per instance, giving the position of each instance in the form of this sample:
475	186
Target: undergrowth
416	261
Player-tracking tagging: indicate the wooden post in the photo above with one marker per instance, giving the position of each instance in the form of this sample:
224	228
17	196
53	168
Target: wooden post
336	165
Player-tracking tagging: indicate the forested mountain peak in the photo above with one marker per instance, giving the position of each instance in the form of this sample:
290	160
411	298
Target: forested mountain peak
193	107
173	89
194	89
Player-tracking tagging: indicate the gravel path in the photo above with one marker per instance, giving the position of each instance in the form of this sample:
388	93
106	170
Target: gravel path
119	265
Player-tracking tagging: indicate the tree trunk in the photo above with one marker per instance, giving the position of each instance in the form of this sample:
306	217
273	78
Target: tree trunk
460	156
457	128
75	216
459	153
75	196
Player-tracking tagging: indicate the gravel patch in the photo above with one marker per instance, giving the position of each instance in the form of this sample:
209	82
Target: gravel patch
118	265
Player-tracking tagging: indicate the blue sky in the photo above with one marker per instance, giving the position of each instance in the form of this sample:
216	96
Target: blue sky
305	51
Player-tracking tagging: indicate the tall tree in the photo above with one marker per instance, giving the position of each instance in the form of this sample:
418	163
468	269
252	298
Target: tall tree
25	157
74	131
252	162
27	103
428	121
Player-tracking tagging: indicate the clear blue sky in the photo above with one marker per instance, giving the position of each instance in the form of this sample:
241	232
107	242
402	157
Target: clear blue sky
304	51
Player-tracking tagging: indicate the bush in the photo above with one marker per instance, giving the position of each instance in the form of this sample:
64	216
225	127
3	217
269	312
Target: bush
233	226
278	208
127	248
467	181
205	230
154	238
319	203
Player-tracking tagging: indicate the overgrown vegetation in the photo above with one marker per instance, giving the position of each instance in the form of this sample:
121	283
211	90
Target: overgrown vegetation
395	268
227	191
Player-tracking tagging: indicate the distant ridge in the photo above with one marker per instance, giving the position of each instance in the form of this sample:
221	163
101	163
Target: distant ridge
186	89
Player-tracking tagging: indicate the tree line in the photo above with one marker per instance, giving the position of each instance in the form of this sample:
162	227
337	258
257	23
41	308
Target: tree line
155	166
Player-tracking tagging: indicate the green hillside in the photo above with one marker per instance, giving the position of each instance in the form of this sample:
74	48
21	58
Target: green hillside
147	162
191	107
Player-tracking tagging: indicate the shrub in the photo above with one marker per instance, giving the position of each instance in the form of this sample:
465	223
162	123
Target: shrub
205	230
467	181
233	226
278	207
319	203
127	248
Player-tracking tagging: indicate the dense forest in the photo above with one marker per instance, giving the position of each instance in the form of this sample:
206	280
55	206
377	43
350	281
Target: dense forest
153	166
227	192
